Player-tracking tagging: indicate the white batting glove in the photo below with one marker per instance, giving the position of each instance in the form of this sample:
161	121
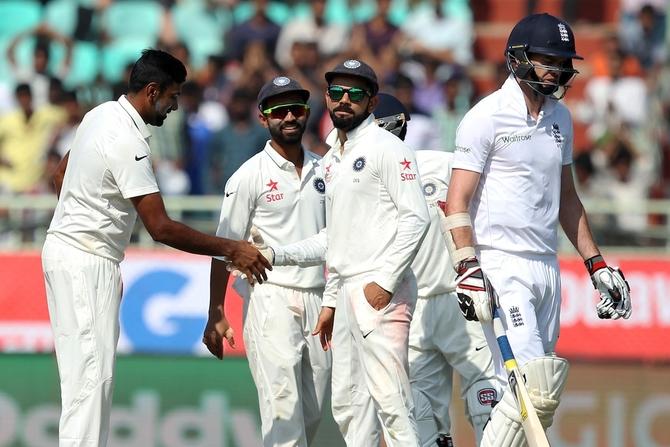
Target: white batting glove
258	242
613	289
476	296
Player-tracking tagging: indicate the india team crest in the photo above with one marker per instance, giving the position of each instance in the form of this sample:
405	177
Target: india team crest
319	185
281	81
352	64
429	189
359	164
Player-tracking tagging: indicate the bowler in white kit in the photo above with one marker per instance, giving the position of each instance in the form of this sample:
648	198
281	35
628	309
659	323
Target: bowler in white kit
104	182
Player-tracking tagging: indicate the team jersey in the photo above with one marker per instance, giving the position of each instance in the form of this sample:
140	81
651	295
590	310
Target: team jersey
375	209
515	206
432	266
267	193
109	163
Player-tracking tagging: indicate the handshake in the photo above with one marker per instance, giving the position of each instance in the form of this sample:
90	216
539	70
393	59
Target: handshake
266	251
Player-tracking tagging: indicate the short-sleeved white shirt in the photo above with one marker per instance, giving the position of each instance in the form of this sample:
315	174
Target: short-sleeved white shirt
109	163
267	193
432	266
515	207
375	208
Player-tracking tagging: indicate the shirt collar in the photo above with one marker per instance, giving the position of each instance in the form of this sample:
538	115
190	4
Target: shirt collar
137	119
516	100
283	163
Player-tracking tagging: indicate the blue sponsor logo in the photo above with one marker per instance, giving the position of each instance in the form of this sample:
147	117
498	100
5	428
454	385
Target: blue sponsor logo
182	332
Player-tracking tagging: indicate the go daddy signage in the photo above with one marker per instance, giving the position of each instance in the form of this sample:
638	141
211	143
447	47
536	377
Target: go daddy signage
166	296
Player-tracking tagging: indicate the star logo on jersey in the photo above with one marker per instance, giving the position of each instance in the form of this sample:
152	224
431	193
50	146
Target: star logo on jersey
404	176
406	164
328	174
272	185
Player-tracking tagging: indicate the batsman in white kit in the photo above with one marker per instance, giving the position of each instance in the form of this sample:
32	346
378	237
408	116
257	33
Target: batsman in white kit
104	182
511	185
441	341
281	192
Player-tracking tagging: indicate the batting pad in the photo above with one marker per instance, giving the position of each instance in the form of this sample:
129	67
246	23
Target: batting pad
545	380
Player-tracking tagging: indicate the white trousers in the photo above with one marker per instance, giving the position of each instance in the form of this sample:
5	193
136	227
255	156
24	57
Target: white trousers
529	290
290	369
442	341
371	390
83	295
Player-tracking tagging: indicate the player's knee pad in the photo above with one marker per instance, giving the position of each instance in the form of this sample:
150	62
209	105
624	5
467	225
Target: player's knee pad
425	420
479	399
545	380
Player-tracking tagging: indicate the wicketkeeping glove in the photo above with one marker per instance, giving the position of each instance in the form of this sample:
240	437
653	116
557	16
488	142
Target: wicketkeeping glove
476	296
613	289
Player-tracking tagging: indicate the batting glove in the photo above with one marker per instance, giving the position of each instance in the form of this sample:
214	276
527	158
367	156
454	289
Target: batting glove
613	289
476	296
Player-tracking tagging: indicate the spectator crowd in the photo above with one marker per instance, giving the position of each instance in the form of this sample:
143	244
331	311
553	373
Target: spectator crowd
63	57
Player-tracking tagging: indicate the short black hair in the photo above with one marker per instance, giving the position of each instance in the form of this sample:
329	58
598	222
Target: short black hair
24	89
156	66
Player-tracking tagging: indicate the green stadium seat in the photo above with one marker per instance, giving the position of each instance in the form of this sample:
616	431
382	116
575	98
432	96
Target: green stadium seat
192	21
202	48
277	11
133	18
85	64
61	15
117	54
18	15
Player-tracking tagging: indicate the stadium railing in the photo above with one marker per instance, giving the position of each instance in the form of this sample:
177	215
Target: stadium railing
627	227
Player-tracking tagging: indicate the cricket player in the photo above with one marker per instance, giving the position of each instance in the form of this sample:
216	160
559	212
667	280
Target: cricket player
441	341
104	182
376	218
511	185
280	191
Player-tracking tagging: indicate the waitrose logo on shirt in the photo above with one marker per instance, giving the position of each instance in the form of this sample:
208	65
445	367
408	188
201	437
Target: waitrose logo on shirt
508	139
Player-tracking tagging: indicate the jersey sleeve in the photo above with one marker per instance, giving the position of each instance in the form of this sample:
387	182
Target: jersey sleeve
474	141
239	203
396	165
566	150
130	164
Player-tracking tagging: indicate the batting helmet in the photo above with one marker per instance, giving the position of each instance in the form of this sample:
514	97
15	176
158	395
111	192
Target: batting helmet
546	35
392	115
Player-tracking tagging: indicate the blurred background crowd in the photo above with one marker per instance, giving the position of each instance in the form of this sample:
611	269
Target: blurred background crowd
60	58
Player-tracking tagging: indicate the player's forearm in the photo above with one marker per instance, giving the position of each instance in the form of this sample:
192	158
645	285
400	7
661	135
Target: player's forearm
218	282
412	226
575	224
179	236
59	175
306	253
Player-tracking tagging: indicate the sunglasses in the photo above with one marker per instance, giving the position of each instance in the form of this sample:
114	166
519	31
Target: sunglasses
279	112
355	94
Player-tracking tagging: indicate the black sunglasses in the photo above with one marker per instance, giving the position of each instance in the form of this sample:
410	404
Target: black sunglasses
279	112
356	94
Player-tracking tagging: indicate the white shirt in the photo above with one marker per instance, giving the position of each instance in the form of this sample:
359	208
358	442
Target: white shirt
432	266
267	193
375	208
110	162
515	206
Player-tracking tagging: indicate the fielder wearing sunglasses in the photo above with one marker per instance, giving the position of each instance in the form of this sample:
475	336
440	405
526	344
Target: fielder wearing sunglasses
280	111
356	94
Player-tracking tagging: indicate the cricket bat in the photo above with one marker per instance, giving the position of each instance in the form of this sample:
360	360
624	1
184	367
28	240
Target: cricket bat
532	427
